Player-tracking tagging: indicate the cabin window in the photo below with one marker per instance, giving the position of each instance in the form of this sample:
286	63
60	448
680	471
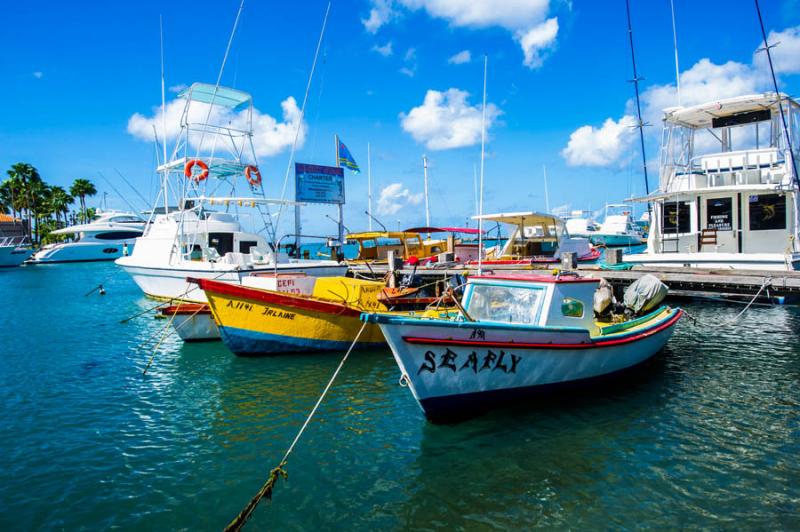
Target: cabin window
367	244
767	212
386	241
505	304
571	308
222	242
245	245
677	217
117	235
412	242
719	214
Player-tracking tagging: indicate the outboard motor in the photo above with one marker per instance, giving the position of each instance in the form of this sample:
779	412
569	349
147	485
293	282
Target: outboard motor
644	294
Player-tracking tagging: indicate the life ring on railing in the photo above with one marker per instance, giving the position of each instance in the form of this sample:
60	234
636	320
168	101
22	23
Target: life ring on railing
202	176
250	172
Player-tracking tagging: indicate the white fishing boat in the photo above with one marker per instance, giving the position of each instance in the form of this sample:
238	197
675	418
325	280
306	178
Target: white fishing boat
536	238
204	238
580	224
618	228
14	250
728	195
108	236
516	335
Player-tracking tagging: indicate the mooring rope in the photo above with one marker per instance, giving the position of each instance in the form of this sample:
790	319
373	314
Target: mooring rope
764	285
278	472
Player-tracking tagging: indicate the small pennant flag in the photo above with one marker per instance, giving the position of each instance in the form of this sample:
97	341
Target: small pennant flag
346	159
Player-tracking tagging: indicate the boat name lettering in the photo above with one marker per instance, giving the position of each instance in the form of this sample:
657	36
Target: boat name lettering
502	361
277	314
478	334
239	305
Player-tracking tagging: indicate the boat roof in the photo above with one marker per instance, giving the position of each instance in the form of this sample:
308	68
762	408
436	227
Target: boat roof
519	218
96	226
218	95
700	116
537	278
465	230
385	234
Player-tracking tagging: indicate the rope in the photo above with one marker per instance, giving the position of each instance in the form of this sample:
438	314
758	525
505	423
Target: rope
766	282
278	472
163	336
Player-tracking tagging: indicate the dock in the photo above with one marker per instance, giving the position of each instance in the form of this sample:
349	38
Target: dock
683	282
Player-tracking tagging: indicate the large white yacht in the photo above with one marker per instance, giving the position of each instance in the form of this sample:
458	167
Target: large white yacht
108	236
204	237
728	193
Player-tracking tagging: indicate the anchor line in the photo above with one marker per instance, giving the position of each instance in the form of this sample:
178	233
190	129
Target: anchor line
276	473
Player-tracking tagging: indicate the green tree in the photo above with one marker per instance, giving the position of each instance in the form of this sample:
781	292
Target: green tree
80	189
59	202
29	182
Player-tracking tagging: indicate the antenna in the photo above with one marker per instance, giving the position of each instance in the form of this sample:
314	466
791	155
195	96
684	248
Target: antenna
128	203
483	153
369	189
475	185
766	48
334	220
378	221
427	207
546	195
635	81
675	44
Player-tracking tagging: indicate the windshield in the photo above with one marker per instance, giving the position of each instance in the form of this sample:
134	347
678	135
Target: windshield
505	304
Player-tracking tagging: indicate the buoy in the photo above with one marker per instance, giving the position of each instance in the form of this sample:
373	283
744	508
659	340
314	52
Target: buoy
102	290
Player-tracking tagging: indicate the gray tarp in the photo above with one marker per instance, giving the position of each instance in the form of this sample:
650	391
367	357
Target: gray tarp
644	294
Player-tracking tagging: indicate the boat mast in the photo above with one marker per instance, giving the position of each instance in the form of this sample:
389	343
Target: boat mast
483	153
640	124
369	188
163	116
767	47
427	207
546	194
675	45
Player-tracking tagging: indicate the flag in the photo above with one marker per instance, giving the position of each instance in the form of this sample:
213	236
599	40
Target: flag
344	157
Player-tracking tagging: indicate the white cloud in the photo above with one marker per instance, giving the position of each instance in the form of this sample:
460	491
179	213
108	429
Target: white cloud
407	71
38	75
464	56
178	88
270	137
385	50
537	41
446	120
380	14
604	146
786	55
394	197
527	20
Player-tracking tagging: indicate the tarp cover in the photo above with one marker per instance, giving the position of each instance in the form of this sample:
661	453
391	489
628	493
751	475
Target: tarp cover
645	294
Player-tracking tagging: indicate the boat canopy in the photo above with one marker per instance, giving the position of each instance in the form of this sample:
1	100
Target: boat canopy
701	116
366	235
464	230
522	218
222	96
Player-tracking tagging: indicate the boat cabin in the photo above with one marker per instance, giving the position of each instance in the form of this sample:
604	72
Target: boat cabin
461	241
374	246
727	184
532	300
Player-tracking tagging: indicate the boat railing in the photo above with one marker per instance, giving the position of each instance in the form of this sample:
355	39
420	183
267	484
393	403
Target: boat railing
13	241
764	166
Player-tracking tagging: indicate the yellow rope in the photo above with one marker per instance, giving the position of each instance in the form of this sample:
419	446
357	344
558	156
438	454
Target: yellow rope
266	489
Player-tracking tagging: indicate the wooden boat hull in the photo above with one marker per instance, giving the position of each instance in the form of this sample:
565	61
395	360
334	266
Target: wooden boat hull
457	369
259	322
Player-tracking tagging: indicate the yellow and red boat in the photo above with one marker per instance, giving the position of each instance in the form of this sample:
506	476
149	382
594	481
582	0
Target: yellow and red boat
255	321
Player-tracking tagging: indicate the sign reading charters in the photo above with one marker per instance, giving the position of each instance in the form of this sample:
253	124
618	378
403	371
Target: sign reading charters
319	184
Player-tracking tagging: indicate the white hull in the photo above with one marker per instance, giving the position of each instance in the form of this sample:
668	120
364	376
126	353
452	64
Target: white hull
11	256
81	252
727	261
451	377
196	328
170	283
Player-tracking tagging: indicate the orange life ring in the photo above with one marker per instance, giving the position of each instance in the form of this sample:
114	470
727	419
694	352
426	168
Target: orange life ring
249	172
187	170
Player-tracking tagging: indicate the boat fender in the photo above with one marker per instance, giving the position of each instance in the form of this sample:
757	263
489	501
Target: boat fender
253	175
187	170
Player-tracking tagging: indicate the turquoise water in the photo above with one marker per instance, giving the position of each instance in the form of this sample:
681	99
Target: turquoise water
707	435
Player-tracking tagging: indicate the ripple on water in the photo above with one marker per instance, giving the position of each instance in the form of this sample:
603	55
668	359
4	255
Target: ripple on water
706	435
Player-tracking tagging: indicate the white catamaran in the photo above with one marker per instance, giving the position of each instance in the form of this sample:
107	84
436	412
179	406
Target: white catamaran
204	238
728	195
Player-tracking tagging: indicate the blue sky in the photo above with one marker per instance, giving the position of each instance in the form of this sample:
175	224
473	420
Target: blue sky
75	73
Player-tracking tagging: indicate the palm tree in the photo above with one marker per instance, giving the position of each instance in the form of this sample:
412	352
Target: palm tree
81	188
59	202
29	179
39	194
